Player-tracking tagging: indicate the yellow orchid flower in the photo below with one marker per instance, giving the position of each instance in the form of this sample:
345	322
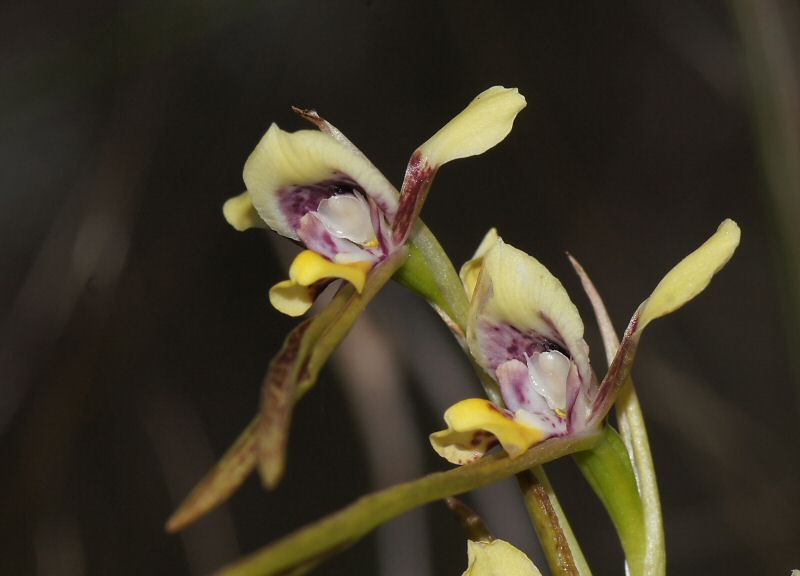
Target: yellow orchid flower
497	558
317	188
526	333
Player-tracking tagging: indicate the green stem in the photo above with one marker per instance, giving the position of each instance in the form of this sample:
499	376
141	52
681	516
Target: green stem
342	529
634	433
607	468
559	544
429	272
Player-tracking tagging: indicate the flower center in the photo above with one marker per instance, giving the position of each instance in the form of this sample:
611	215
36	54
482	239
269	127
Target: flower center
347	216
548	372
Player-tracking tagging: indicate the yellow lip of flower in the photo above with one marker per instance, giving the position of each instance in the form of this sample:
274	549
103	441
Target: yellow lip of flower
474	425
295	296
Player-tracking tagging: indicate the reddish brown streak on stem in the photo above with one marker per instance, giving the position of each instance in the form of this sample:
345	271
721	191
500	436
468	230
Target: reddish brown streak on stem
566	563
416	183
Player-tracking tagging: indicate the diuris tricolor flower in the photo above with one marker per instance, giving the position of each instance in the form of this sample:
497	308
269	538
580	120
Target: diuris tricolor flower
526	333
318	189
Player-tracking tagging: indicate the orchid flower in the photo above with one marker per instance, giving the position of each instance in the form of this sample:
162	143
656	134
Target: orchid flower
497	558
526	333
318	189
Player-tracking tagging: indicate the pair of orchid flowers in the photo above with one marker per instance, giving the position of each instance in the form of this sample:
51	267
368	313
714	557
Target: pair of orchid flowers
317	188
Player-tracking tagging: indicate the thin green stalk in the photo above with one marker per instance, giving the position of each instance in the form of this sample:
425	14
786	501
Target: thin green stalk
344	528
559	544
634	434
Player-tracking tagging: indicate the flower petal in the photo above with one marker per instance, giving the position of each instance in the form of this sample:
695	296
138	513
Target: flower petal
484	123
295	296
518	305
685	281
240	213
309	267
289	174
291	298
472	268
474	425
692	274
498	558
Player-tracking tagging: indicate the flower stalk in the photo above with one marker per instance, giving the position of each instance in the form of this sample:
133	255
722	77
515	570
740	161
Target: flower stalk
344	528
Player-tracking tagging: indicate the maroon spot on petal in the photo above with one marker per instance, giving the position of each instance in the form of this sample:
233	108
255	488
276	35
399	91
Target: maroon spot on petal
501	411
477	438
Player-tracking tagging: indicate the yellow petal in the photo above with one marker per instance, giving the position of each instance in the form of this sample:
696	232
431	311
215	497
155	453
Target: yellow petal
309	267
484	123
472	268
291	298
498	558
240	213
294	297
283	160
692	274
466	437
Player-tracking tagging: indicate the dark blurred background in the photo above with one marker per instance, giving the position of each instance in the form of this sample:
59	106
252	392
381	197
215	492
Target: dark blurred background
135	324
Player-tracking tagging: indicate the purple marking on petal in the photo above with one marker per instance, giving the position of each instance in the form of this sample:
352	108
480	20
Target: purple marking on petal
516	388
514	384
297	201
502	342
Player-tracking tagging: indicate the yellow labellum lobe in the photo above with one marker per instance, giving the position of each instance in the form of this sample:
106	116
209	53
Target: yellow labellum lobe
295	296
468	422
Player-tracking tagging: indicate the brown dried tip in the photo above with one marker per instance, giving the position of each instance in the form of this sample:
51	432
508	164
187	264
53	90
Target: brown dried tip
470	521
